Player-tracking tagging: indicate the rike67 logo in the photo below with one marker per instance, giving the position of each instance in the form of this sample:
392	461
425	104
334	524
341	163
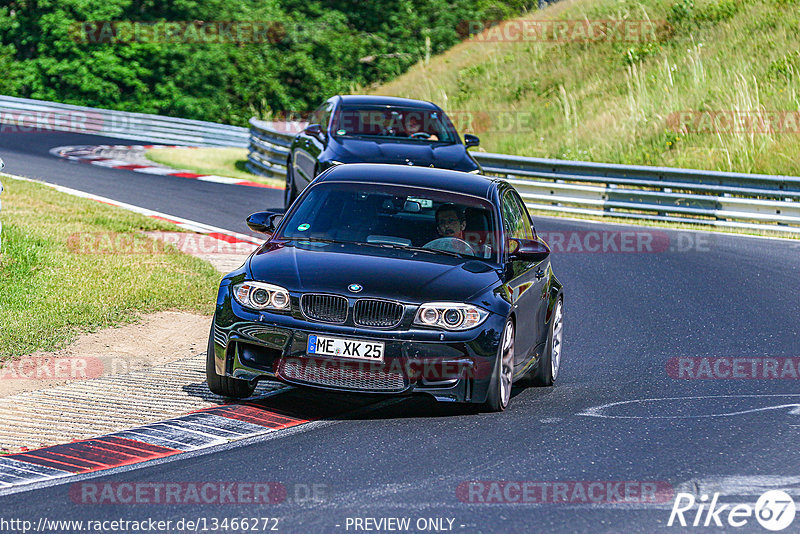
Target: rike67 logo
774	510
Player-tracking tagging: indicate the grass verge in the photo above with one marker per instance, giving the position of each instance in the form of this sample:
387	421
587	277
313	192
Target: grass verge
220	161
56	282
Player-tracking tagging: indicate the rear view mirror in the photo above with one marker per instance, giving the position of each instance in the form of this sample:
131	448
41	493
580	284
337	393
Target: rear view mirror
264	222
313	130
412	207
471	140
528	250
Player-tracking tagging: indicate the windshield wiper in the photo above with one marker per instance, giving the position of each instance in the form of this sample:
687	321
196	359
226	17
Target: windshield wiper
316	239
382	245
416	249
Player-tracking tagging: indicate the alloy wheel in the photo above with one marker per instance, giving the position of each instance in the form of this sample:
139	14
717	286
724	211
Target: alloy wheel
507	364
558	330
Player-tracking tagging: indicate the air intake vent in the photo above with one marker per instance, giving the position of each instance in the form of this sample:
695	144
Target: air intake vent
342	377
378	313
325	308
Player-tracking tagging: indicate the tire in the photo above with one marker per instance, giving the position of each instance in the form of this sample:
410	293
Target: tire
547	370
223	385
503	376
290	194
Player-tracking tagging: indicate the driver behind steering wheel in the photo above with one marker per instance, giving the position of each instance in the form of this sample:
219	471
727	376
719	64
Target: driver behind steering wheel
415	128
450	225
450	221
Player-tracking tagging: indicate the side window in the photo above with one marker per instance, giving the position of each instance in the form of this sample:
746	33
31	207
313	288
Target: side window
524	217
317	115
515	221
325	116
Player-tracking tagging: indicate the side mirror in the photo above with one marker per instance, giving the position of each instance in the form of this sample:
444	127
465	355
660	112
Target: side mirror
314	130
528	250
471	140
264	222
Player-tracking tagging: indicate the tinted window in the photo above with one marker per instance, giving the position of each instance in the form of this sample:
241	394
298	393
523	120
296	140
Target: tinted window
515	221
417	124
325	116
322	115
395	216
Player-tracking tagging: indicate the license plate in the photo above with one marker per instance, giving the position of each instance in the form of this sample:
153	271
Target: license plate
370	351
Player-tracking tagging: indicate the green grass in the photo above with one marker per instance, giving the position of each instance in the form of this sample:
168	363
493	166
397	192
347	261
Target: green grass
50	293
611	102
223	161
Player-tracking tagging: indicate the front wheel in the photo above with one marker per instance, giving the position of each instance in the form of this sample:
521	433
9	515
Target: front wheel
503	375
547	370
224	385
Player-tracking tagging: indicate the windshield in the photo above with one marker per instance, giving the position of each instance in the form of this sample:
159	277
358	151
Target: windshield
417	124
396	217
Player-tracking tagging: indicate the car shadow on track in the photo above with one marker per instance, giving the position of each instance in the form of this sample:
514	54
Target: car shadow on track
311	405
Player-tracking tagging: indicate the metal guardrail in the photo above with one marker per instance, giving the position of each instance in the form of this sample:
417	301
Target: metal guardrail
268	150
723	199
27	115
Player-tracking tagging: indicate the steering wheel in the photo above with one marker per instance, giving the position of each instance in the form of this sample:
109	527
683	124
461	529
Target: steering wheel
451	244
420	135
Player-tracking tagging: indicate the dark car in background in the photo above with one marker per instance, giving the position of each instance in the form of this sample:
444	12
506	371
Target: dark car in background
376	129
388	279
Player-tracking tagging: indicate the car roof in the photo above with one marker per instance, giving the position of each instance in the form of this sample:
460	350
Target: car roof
373	100
427	177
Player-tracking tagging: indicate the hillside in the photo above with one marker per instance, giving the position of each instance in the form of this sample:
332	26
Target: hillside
665	101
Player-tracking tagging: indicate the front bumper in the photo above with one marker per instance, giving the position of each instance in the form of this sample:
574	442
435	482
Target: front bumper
451	366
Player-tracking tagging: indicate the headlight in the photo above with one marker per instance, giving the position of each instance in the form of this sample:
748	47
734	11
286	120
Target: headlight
261	296
450	315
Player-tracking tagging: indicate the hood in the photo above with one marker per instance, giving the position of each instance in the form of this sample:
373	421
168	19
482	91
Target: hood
421	154
406	276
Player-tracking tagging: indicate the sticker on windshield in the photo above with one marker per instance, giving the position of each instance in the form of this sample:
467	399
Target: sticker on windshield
423	202
341	132
303	227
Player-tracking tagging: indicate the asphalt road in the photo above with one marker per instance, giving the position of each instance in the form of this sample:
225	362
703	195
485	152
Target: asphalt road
27	154
628	315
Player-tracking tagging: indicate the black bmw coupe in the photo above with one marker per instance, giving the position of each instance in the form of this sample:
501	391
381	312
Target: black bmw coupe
376	129
395	280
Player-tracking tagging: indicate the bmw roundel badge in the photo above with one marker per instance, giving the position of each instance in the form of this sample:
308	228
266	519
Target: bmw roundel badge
355	288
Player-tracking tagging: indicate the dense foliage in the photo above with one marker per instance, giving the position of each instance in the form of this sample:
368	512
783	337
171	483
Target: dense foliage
315	48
